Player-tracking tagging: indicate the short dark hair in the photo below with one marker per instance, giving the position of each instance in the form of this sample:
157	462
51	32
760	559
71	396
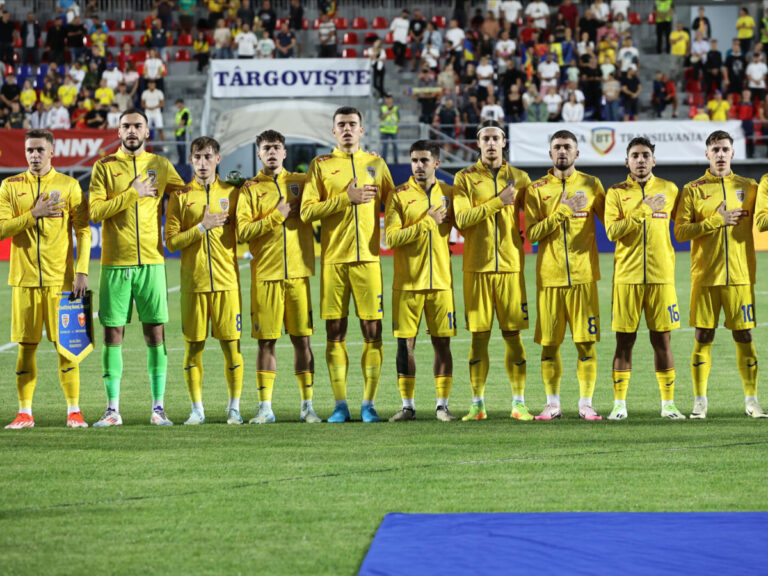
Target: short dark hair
426	146
270	136
203	142
564	135
346	110
718	135
39	133
490	124
641	141
134	111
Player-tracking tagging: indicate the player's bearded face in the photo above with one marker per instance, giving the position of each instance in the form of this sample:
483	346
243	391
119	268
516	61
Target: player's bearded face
563	153
491	143
39	154
640	161
133	132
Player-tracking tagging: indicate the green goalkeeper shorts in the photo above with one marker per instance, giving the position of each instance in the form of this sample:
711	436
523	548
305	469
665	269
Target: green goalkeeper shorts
121	286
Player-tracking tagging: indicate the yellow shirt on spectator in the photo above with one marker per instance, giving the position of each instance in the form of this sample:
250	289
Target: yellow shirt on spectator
679	48
745	27
105	95
718	111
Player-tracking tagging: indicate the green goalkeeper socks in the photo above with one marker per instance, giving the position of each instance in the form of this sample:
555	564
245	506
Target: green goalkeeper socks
112	368
157	366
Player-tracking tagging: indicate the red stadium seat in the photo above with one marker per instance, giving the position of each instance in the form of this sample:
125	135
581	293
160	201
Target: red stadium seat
390	53
209	39
693	86
359	23
316	24
389	38
349	53
439	21
86	42
380	23
50	24
111	25
305	23
128	25
370	38
350	39
140	69
183	56
169	40
111	41
341	24
128	39
634	19
652	18
185	40
279	22
17	42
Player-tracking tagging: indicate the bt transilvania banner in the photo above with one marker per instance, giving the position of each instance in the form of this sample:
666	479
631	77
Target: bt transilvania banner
291	77
677	141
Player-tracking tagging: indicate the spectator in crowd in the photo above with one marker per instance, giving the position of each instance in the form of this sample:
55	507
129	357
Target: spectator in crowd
10	92
216	9
590	24
433	35
491	26
663	12
378	56
113	116
92	76
491	110
586	47
123	100
246	42
286	42
30	40
514	110
504	50
112	75
628	56
389	122
7	30
181	128
620	8
68	9
572	111
56	41
601	10
470	117
400	28
48	95
427	99
718	108
447	79
67	93
157	37
154	69
28	97
96	119
734	70
418	29
631	88
39	118
58	117
246	13
756	71
621	24
266	47
608	32
554	103
548	73
75	39
431	56
699	51
538	11
468	81
296	15
477	20
611	93
537	110
659	94
447	122
713	68
679	41
132	80
236	28
104	95
222	40
15	117
512	76
326	34
485	74
454	38
558	27
187	9
747	112
124	56
570	13
745	29
591	83
701	24
267	17
164	10
671	94
202	50
152	101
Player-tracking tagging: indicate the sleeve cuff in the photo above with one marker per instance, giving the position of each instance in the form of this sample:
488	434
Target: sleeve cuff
564	211
277	216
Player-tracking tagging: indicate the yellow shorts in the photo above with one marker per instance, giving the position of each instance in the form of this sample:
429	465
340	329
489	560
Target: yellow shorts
362	279
31	308
278	302
659	301
223	309
575	305
504	292
738	303
438	308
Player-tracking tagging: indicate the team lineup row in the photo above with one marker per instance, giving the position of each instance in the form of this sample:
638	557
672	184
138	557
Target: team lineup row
42	209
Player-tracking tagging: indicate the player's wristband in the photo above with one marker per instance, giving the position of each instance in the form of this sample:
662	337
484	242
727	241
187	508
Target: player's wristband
201	228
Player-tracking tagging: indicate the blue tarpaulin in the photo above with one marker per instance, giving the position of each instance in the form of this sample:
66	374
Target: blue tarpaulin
720	543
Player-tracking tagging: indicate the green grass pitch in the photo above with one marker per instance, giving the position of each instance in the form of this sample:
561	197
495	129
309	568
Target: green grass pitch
291	498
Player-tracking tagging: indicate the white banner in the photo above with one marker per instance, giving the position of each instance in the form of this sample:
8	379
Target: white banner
291	77
605	143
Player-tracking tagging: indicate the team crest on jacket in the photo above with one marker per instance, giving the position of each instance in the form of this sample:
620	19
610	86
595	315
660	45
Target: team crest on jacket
224	204
740	195
81	319
65	320
371	171
55	196
294	189
152	175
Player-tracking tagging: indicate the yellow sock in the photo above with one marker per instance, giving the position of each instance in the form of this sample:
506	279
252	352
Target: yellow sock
306	382
746	356
371	363
443	385
701	361
69	378
586	368
234	367
478	363
338	364
26	374
515	363
193	370
551	369
407	386
265	381
666	380
621	383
